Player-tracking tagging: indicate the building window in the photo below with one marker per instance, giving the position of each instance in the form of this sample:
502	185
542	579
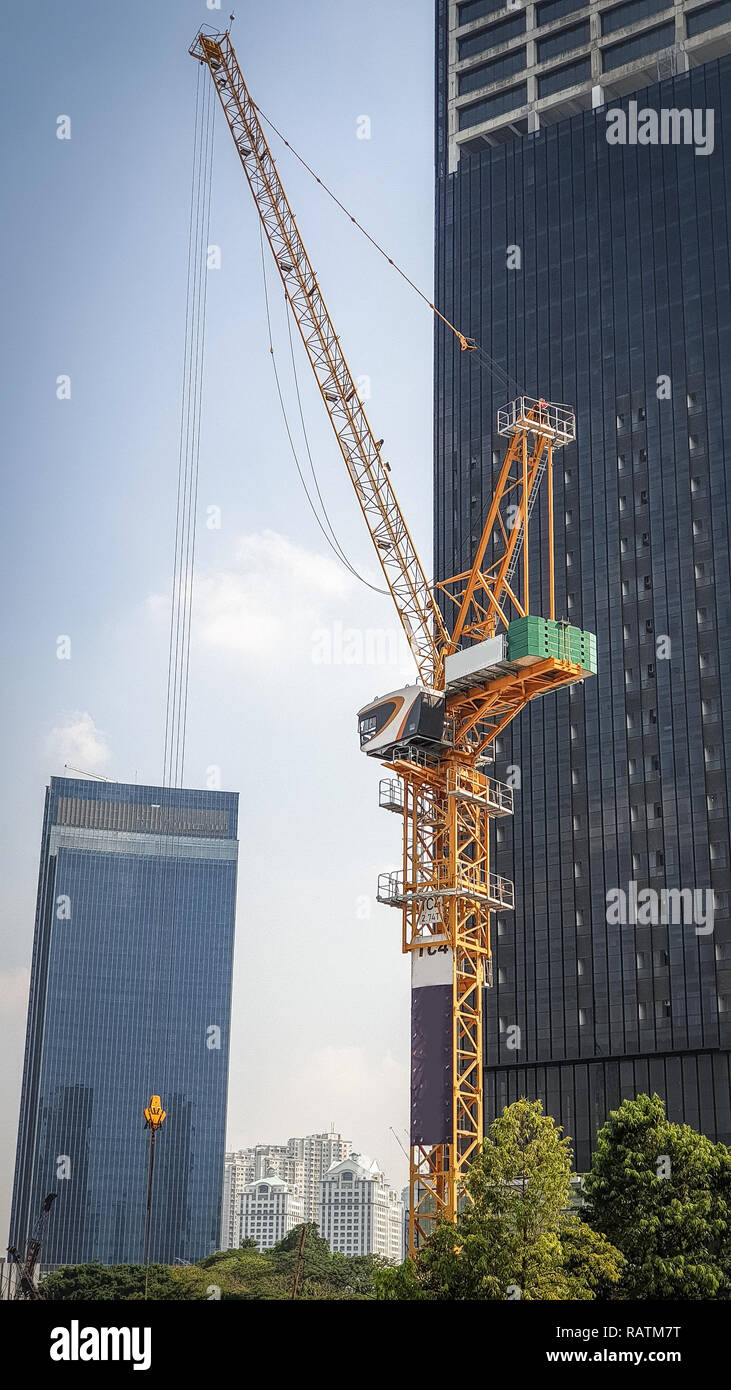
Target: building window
558	9
485	73
708	18
493	35
652	41
574	37
621	16
492	106
569	76
477	9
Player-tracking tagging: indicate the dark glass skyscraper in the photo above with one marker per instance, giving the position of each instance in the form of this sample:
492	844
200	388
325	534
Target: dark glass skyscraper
130	996
597	274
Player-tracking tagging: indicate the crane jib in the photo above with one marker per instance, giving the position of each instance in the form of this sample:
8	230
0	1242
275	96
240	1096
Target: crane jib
412	594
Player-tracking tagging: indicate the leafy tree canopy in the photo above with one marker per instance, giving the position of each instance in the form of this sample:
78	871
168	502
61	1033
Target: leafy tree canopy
661	1193
516	1236
239	1274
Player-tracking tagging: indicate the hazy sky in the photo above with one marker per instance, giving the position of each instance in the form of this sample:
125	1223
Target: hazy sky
94	264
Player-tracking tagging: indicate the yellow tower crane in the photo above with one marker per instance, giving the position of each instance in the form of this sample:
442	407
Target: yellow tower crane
476	673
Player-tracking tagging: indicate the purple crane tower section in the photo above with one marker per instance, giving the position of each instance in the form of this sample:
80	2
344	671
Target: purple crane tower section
431	1045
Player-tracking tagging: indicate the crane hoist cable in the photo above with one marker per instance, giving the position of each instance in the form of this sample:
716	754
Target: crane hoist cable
466	344
334	544
166	895
189	445
305	435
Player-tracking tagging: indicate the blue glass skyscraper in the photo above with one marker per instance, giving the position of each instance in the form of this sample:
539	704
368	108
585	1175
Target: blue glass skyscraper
130	995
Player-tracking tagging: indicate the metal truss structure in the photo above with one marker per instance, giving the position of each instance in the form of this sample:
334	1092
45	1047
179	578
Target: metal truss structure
445	890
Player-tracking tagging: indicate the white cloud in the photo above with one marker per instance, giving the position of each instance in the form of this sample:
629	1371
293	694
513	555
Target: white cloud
268	603
76	740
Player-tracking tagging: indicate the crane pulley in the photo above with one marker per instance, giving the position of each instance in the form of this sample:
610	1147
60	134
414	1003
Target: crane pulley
477	673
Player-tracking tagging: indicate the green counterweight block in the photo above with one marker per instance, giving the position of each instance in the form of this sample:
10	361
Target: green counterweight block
533	639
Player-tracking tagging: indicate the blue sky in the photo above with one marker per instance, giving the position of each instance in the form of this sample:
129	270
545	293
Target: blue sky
94	268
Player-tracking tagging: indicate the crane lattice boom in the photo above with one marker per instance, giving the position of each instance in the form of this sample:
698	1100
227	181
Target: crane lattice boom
419	614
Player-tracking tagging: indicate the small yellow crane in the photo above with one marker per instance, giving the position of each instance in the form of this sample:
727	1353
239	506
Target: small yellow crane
476	673
154	1117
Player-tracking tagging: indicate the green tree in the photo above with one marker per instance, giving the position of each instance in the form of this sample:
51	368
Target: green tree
109	1283
316	1256
515	1236
242	1274
661	1193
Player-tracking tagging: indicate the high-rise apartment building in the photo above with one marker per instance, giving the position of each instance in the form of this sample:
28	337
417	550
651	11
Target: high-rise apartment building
300	1163
360	1214
244	1169
130	995
266	1211
582	238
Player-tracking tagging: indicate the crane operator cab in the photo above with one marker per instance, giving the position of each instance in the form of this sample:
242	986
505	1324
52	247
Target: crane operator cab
413	717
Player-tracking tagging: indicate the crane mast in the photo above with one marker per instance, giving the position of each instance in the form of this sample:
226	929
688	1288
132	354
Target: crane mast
477	673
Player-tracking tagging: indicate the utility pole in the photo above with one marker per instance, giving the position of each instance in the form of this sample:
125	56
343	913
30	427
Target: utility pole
300	1260
154	1116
